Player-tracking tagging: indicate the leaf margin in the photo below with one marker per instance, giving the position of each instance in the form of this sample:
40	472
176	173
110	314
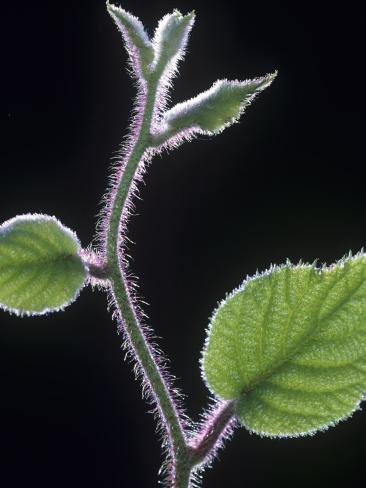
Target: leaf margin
8	225
237	401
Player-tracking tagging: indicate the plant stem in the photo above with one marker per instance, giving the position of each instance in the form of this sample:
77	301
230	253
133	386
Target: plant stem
183	456
217	425
135	334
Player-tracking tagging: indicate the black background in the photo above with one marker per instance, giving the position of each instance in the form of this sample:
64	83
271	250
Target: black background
287	182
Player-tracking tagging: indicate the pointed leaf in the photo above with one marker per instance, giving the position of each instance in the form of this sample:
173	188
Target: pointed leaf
215	109
40	269
137	41
170	40
290	347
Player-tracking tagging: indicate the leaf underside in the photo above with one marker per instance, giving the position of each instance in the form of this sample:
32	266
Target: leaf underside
290	347
40	269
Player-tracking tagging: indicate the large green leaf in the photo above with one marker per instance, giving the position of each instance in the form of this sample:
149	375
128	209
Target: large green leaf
289	347
40	269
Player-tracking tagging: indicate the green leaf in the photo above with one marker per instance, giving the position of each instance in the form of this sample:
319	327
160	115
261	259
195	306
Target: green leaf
170	40
40	269
138	44
215	109
289	346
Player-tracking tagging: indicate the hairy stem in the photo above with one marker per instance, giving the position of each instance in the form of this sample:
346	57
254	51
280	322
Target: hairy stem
216	427
183	455
138	341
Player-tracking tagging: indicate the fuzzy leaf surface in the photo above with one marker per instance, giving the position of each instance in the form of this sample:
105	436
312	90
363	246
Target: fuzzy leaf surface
40	269
170	39
290	347
137	41
212	111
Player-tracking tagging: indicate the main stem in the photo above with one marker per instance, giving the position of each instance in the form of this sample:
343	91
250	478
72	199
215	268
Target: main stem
184	454
138	341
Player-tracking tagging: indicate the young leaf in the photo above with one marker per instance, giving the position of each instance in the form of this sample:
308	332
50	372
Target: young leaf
40	269
215	109
290	347
138	44
170	40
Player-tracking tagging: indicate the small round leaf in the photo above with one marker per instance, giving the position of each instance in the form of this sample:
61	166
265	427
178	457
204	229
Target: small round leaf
40	268
289	346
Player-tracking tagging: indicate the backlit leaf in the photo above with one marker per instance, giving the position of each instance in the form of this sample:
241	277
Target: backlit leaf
40	269
170	40
289	347
138	44
215	109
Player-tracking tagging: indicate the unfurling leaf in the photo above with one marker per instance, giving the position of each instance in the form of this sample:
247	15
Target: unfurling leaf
137	41
215	109
289	347
170	39
40	269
